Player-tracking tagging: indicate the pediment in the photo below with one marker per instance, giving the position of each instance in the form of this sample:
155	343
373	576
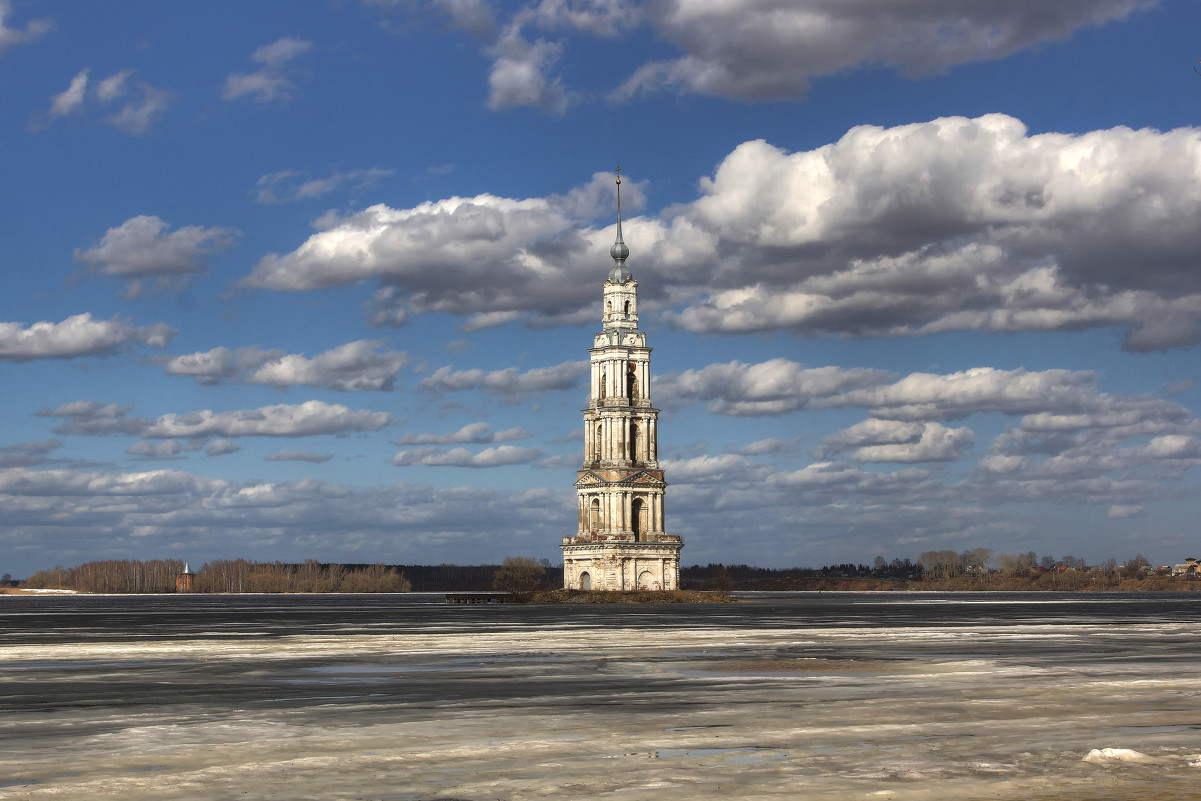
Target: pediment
643	479
588	478
640	478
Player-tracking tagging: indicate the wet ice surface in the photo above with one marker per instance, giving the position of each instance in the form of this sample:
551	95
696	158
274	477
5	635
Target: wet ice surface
832	696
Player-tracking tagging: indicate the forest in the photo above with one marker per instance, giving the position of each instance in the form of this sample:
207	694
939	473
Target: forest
225	575
976	569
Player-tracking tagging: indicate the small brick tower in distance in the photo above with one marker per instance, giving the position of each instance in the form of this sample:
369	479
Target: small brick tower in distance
183	581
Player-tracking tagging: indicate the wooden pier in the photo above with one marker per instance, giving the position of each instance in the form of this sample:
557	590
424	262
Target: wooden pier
477	597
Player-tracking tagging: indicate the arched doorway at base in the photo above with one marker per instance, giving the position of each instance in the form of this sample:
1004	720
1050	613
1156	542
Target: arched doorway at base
646	581
585	581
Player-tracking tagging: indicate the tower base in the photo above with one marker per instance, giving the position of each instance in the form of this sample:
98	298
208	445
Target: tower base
621	565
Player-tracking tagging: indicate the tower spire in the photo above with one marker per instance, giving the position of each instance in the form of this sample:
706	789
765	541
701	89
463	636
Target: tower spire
620	273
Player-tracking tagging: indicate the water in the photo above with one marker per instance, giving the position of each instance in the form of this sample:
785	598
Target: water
830	696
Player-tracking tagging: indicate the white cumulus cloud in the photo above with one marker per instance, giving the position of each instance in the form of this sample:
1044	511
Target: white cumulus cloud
709	469
933	442
509	381
1175	446
311	418
767	388
925	396
221	363
78	335
220	447
956	224
142	247
519	75
354	367
472	433
499	456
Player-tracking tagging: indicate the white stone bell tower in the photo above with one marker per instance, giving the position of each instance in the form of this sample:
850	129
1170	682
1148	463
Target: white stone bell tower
621	542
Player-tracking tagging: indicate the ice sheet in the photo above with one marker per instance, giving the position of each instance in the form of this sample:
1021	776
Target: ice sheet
777	699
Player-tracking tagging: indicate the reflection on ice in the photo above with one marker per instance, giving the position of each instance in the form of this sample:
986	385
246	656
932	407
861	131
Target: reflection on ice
787	697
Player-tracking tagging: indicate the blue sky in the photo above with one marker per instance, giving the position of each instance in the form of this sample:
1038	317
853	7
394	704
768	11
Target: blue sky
321	283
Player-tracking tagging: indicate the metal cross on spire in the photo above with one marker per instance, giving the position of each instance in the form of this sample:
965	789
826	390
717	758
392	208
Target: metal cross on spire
620	273
619	201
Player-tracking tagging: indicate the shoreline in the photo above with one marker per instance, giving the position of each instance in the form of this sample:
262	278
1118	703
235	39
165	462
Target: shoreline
677	596
566	596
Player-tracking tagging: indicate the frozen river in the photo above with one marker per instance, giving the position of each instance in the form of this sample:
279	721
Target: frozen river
826	696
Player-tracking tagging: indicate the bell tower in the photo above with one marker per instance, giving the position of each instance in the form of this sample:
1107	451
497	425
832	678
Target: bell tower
621	541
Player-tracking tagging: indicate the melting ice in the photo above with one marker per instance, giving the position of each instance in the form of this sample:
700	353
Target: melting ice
831	696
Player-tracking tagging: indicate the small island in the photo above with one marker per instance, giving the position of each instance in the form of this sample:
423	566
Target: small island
569	596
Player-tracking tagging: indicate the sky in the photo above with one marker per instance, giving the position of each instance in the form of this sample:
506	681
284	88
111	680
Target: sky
317	279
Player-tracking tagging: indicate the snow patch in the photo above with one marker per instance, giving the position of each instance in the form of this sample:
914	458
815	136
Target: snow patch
1103	756
40	591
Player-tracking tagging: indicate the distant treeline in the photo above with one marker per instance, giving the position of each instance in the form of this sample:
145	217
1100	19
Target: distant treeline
110	575
241	575
226	575
975	569
703	577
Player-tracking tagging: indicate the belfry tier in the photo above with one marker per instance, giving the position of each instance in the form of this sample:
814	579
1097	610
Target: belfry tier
621	485
620	388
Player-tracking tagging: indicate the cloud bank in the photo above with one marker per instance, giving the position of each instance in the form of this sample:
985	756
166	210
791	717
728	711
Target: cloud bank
755	50
311	418
950	225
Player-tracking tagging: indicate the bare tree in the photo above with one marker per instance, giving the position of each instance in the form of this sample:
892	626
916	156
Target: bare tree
1075	562
1136	564
976	561
938	565
518	575
723	582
